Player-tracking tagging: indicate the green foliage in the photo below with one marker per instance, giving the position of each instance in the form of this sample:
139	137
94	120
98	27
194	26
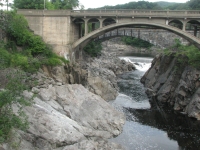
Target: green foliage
134	5
29	4
11	97
33	53
136	42
184	53
189	5
50	5
4	58
93	48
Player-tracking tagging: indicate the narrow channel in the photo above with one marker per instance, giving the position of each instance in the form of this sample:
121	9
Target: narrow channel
147	128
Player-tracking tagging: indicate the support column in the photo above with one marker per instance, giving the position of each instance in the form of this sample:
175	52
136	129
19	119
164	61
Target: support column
101	23
138	34
131	32
86	26
80	30
93	26
167	22
184	25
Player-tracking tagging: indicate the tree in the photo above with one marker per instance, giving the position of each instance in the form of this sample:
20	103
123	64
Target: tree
39	4
29	4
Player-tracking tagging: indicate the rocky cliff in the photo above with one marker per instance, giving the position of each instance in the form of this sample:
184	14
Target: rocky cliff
175	83
64	117
98	75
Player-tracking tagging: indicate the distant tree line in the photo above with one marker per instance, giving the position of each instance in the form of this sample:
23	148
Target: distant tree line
190	5
70	4
47	4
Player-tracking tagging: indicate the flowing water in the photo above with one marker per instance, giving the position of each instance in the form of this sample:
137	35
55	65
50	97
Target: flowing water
147	128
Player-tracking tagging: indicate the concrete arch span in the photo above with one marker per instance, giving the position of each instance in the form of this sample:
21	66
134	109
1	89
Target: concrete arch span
84	40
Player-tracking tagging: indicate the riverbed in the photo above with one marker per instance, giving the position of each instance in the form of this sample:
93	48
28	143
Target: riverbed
147	127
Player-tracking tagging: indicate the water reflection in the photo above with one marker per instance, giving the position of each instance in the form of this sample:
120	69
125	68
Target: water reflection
178	127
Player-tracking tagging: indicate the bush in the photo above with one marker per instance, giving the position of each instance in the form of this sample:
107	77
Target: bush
18	60
34	51
93	48
136	42
5	58
191	53
9	97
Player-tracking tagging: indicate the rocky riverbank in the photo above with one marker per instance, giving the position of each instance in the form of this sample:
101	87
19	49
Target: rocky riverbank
69	110
175	83
66	116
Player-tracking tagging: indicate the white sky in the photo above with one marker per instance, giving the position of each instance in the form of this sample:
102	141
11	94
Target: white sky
100	3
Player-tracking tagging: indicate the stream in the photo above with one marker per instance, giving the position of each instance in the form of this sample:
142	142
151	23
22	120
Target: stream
147	128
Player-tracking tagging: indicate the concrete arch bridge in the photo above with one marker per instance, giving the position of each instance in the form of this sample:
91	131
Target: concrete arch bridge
69	30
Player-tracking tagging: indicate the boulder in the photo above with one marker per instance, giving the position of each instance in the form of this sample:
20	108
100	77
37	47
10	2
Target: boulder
68	117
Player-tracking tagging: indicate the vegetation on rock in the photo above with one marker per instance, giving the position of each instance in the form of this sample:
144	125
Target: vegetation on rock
93	48
20	52
136	42
23	49
11	97
191	53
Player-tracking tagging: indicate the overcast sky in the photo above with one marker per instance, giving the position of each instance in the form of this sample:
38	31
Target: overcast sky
100	3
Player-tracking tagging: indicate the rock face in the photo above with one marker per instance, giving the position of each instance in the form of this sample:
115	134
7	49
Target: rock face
98	75
174	82
65	117
115	45
102	73
158	37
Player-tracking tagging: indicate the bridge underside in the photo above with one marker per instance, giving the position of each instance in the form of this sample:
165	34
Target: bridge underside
162	25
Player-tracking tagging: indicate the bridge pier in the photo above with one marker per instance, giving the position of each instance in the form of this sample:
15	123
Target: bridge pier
93	26
195	31
86	26
184	26
100	22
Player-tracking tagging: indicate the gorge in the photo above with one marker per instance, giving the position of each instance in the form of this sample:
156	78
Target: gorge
70	111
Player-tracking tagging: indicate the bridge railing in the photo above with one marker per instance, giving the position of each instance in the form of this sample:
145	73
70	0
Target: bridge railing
135	12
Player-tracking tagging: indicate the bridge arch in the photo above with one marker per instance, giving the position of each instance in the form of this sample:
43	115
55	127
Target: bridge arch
81	25
84	40
93	24
176	23
108	21
193	25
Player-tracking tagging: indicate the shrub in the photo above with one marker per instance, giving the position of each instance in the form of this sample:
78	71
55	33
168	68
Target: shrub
93	48
9	97
19	60
34	51
136	42
5	58
191	53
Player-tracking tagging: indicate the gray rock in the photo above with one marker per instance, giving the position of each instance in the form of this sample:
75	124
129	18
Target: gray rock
65	117
174	83
193	109
93	145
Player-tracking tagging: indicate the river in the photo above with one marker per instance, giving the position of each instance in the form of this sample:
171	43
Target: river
146	127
